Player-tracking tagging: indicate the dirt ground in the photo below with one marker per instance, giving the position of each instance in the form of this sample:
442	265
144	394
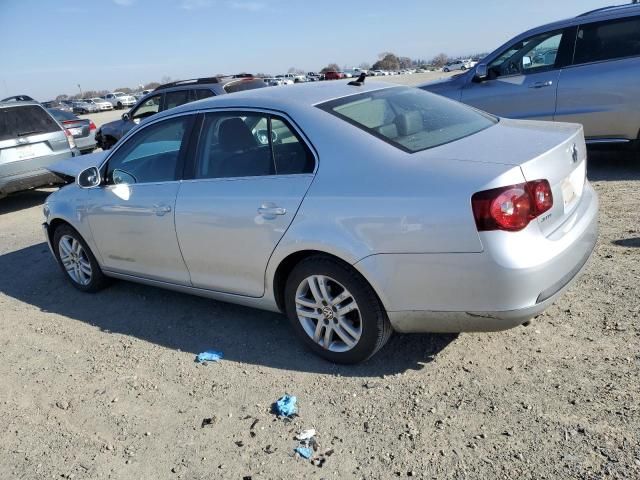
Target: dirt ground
105	385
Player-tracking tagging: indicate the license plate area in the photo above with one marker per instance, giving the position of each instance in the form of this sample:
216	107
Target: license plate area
24	152
572	186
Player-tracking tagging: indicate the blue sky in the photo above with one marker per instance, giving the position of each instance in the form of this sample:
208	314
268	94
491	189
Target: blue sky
48	47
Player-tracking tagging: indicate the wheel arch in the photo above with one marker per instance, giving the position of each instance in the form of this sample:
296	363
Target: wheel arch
288	263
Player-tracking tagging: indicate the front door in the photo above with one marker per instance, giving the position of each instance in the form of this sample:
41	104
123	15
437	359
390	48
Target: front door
522	81
132	214
251	173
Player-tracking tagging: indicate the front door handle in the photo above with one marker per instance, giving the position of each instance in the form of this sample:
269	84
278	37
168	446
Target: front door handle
541	84
269	210
161	210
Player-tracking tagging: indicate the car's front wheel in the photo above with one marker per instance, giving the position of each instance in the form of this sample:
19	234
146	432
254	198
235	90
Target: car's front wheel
77	261
335	311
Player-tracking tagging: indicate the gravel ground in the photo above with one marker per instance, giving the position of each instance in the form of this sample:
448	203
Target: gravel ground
105	385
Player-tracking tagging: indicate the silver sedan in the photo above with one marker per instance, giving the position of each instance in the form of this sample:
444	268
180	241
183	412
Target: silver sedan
355	209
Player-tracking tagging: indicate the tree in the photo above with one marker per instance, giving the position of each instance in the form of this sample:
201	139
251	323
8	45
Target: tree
388	62
332	67
364	66
151	86
440	60
123	90
165	79
405	62
62	97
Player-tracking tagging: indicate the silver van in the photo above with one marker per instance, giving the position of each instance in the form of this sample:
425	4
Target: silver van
584	70
30	141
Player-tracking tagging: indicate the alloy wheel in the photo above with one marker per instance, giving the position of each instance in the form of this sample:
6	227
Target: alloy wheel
328	313
74	260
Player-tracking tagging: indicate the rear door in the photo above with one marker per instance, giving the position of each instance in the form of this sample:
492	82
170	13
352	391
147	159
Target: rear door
250	174
523	78
601	89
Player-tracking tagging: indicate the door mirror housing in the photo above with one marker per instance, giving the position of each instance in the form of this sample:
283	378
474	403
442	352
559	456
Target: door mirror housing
126	117
89	178
482	71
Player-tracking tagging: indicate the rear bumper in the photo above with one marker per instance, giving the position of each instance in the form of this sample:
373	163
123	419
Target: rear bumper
32	173
86	143
507	284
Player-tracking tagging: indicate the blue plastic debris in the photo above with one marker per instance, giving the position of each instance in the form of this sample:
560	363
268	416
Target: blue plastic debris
285	406
208	356
304	452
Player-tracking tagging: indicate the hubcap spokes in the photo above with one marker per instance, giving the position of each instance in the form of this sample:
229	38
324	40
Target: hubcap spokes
75	260
328	313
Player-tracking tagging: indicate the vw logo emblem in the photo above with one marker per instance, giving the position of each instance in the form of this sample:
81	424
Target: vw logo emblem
574	153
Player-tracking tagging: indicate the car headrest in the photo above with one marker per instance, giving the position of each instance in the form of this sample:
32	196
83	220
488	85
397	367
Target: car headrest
409	123
234	135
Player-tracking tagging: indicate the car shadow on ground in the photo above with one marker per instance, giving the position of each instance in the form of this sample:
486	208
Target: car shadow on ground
612	165
23	200
193	324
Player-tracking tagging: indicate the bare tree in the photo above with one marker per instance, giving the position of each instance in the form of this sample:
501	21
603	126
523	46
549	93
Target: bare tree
151	86
165	79
364	66
440	60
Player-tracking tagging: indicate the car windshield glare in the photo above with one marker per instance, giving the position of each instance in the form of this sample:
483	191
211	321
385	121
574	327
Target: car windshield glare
409	118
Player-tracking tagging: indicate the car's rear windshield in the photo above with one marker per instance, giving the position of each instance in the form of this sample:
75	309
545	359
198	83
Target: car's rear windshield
241	85
409	118
61	115
25	120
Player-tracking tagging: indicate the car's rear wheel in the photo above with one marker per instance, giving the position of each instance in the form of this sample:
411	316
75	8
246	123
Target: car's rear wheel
445	70
77	261
119	105
335	311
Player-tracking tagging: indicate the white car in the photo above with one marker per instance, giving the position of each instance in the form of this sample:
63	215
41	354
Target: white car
102	104
455	65
119	100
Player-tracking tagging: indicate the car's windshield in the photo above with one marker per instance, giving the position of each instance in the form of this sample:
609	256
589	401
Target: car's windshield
408	118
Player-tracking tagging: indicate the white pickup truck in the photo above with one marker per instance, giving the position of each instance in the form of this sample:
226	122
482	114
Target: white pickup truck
119	100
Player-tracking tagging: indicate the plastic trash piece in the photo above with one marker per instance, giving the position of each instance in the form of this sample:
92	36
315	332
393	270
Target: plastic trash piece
306	434
209	356
304	452
286	406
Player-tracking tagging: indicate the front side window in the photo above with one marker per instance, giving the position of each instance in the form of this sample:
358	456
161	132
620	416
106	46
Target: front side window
150	155
174	99
409	119
151	106
536	54
608	40
247	144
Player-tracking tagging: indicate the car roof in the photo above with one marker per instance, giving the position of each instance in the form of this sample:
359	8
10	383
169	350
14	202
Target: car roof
605	13
20	103
282	98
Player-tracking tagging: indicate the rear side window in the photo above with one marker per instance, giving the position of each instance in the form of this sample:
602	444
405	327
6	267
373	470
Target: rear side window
608	40
409	119
241	85
26	120
201	93
249	144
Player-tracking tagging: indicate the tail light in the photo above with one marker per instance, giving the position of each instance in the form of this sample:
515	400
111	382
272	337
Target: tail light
511	208
70	140
92	126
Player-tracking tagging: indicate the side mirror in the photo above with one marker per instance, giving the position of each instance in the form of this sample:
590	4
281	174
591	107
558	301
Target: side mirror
125	116
526	61
482	71
89	178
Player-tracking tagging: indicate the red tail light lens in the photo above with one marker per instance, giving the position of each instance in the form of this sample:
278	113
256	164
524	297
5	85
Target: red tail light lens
92	126
70	139
511	208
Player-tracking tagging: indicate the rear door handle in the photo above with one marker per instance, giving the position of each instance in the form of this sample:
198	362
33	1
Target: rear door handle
271	211
161	210
541	84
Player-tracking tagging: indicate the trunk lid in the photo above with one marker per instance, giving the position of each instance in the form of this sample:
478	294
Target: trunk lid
543	150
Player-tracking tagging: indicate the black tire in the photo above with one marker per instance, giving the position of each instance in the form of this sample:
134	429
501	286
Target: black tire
98	280
375	326
446	70
119	106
